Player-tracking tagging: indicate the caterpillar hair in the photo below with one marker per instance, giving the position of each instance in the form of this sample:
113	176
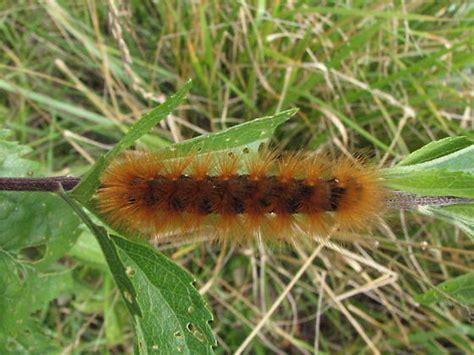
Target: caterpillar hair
240	197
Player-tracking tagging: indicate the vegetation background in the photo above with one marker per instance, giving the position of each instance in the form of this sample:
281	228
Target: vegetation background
384	77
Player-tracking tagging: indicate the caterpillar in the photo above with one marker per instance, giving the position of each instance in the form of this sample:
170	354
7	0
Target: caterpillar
240	197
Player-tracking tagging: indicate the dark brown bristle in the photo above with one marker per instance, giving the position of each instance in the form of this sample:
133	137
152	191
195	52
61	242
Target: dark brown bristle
272	199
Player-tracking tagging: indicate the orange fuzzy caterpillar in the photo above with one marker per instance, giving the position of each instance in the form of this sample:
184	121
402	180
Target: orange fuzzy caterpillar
239	197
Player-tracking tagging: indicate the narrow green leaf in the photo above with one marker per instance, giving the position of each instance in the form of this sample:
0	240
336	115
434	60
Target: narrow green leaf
366	12
239	92
461	160
53	104
249	134
435	183
448	174
353	43
436	150
166	292
84	191
460	288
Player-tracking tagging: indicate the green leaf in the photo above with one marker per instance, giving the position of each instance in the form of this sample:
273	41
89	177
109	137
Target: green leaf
461	215
31	219
84	191
12	163
445	167
24	290
249	134
441	168
35	339
436	150
166	292
435	182
460	288
461	160
145	277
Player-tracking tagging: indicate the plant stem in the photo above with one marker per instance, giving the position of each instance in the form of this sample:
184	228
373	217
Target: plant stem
46	184
408	201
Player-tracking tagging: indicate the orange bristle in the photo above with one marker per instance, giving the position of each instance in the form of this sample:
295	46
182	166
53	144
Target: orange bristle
260	164
176	167
227	165
316	167
363	193
290	166
200	167
239	198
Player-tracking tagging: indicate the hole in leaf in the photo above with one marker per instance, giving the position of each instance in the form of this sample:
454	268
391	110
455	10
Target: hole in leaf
21	274
130	271
128	296
33	254
194	331
178	334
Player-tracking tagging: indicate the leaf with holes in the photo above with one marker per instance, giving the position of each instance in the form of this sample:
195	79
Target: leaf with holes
169	313
246	135
176	317
25	290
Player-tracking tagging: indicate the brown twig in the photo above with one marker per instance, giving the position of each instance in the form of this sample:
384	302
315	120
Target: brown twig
46	184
